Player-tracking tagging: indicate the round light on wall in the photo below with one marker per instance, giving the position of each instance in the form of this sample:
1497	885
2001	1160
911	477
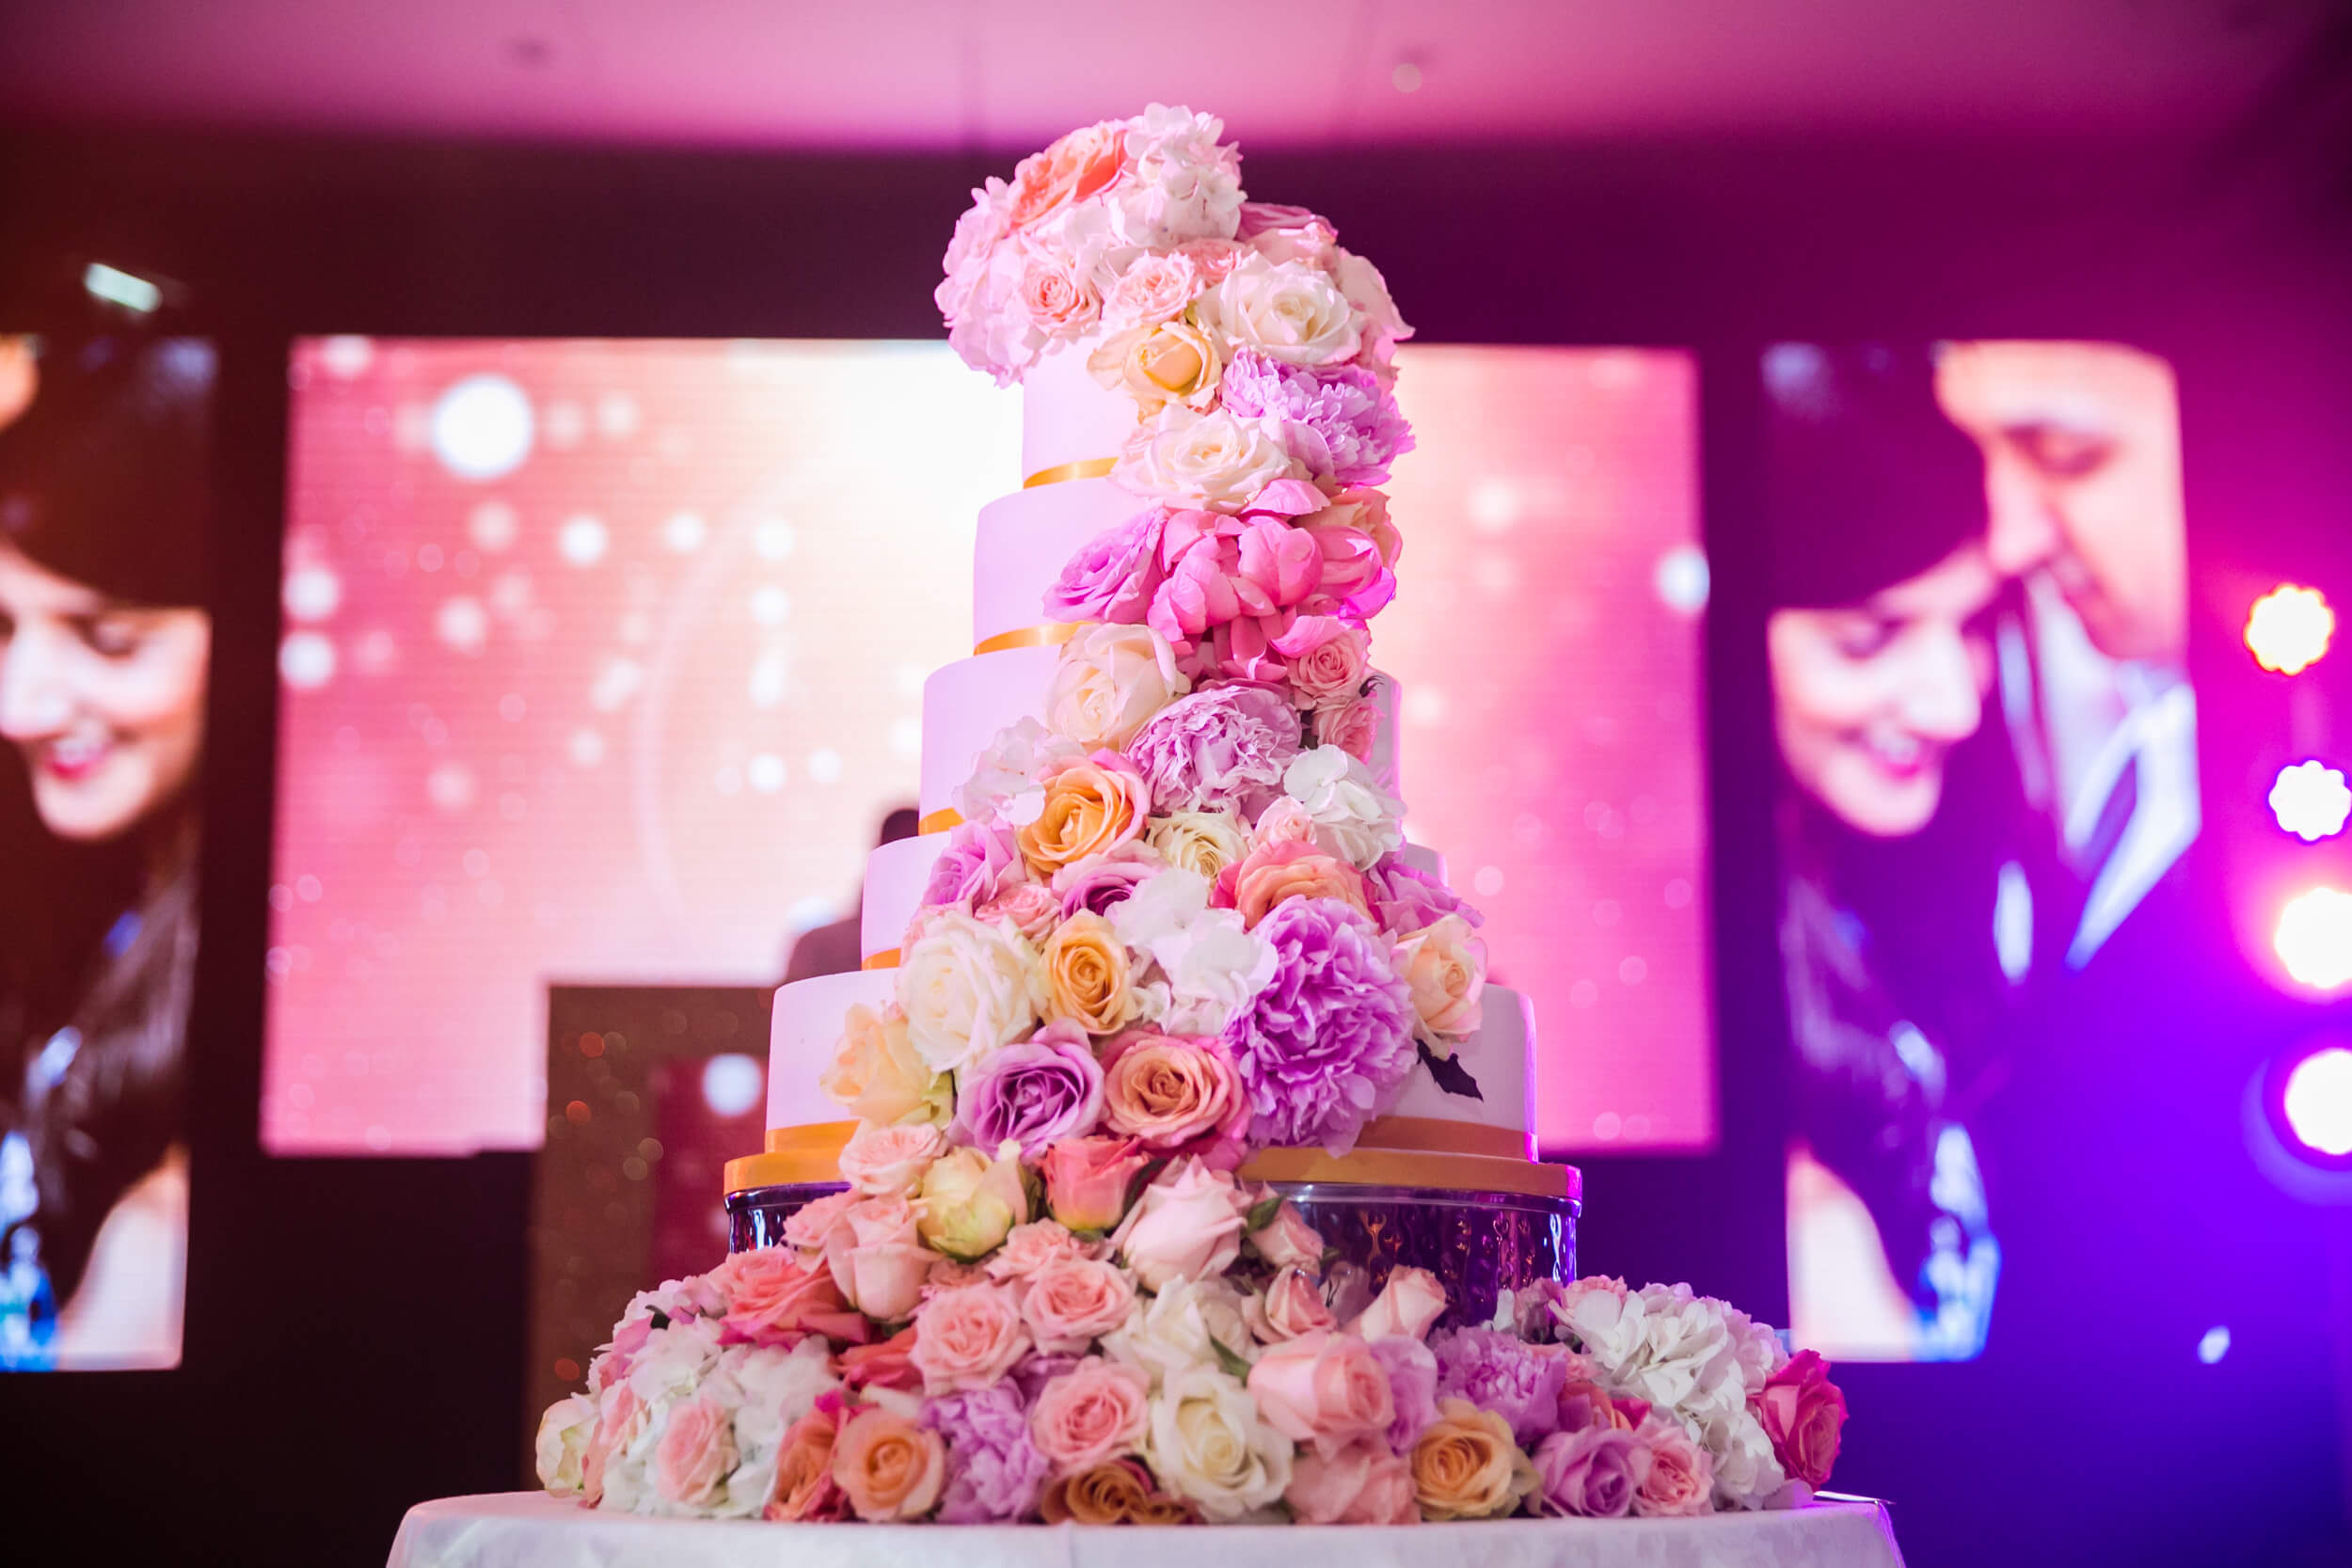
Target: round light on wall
2314	938
2310	800
2319	1102
2288	628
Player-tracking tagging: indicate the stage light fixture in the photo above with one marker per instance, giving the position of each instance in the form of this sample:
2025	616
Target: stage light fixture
2310	800
2288	628
2314	938
117	287
2319	1102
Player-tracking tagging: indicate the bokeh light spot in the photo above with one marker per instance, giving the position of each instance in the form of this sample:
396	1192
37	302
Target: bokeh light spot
2289	627
2313	939
732	1082
2213	1344
2319	1102
583	540
2310	802
482	427
306	660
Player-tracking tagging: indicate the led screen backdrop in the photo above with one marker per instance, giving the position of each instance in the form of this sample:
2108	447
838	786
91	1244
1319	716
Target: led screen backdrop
604	660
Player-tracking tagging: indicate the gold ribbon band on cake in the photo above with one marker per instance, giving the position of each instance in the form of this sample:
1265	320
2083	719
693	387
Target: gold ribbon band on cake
1392	1151
887	959
1085	468
939	822
1045	634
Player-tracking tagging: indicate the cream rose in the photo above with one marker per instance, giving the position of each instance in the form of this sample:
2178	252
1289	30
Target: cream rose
969	1203
1182	1326
563	1443
1169	362
1444	963
1109	680
889	1160
1209	1445
1088	975
966	988
1205	842
1213	461
1287	310
878	1075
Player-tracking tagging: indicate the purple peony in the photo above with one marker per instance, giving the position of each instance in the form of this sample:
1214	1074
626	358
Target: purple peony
1113	575
981	861
1500	1371
1337	419
1227	746
1323	1047
1034	1091
1412	1386
1408	899
1101	882
994	1471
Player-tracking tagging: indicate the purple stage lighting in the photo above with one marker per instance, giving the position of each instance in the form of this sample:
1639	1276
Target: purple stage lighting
2319	1102
2310	800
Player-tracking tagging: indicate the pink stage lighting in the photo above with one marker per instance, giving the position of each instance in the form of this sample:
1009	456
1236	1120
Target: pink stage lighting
2313	939
2319	1102
2310	800
2288	628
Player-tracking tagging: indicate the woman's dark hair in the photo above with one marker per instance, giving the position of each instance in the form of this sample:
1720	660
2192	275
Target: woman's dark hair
104	480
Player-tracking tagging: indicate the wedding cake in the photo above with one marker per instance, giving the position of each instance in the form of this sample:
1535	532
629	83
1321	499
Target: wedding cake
1169	1157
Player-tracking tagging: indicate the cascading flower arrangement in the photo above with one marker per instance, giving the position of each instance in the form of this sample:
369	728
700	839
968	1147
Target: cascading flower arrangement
1175	923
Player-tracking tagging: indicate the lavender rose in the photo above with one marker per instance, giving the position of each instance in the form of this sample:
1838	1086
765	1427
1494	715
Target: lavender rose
1034	1091
1590	1473
982	862
1337	420
1114	574
1226	746
994	1470
1502	1373
1101	883
1326	1044
1408	899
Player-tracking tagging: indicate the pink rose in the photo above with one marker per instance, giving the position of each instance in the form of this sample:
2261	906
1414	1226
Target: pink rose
1214	259
1054	294
1090	1415
1034	909
1410	1302
949	1273
1363	1483
1071	1303
696	1453
1589	1473
887	1364
805	1488
1287	1240
968	1337
1029	1247
880	1161
1086	1179
773	1298
1286	820
1154	287
1281	234
1677	1476
1354	728
1288	870
1587	1404
1803	1413
1186	1225
1329	657
813	1224
1077	168
1293	1305
1175	1095
880	1264
889	1467
1323	1390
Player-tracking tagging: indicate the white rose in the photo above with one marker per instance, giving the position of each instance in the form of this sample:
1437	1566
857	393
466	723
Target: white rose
1746	1474
1444	964
1208	1445
1368	291
1181	1328
768	1389
1213	461
1109	681
1353	812
563	1443
967	987
1287	310
1202	841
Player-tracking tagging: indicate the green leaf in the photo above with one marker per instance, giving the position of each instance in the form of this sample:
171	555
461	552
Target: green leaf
1230	1359
1262	1214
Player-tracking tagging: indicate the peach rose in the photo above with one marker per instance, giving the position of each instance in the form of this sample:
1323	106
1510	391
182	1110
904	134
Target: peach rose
1094	1413
1088	975
1109	680
1291	870
773	1298
1329	657
1294	1305
1071	1303
1117	1492
1445	965
1354	728
1029	1247
1466	1466
1677	1476
1803	1414
1585	1403
1077	168
1323	1390
968	1337
1160	363
1287	1240
1171	1092
880	1264
880	1077
1407	1304
805	1487
696	1453
1088	1180
1092	805
1033	908
887	1466
1361	1484
879	1161
888	1364
1186	1225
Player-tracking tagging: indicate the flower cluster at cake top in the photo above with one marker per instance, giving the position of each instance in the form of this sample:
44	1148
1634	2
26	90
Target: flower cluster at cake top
1257	351
920	1347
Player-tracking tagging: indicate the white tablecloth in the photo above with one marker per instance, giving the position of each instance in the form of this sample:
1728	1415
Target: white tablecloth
527	1529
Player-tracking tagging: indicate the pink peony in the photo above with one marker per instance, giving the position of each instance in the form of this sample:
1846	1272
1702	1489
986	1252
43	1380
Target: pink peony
1113	575
1323	1390
1412	1368
1226	746
1407	1304
1086	1179
1090	1415
1803	1413
968	1336
696	1453
1071	1303
1186	1225
1363	1483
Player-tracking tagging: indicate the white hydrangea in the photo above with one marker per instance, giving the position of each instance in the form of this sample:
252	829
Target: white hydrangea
1005	774
1347	805
1207	967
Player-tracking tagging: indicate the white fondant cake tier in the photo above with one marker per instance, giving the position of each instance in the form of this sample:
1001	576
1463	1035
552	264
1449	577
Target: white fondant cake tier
809	1014
803	1033
1068	416
1026	538
967	702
